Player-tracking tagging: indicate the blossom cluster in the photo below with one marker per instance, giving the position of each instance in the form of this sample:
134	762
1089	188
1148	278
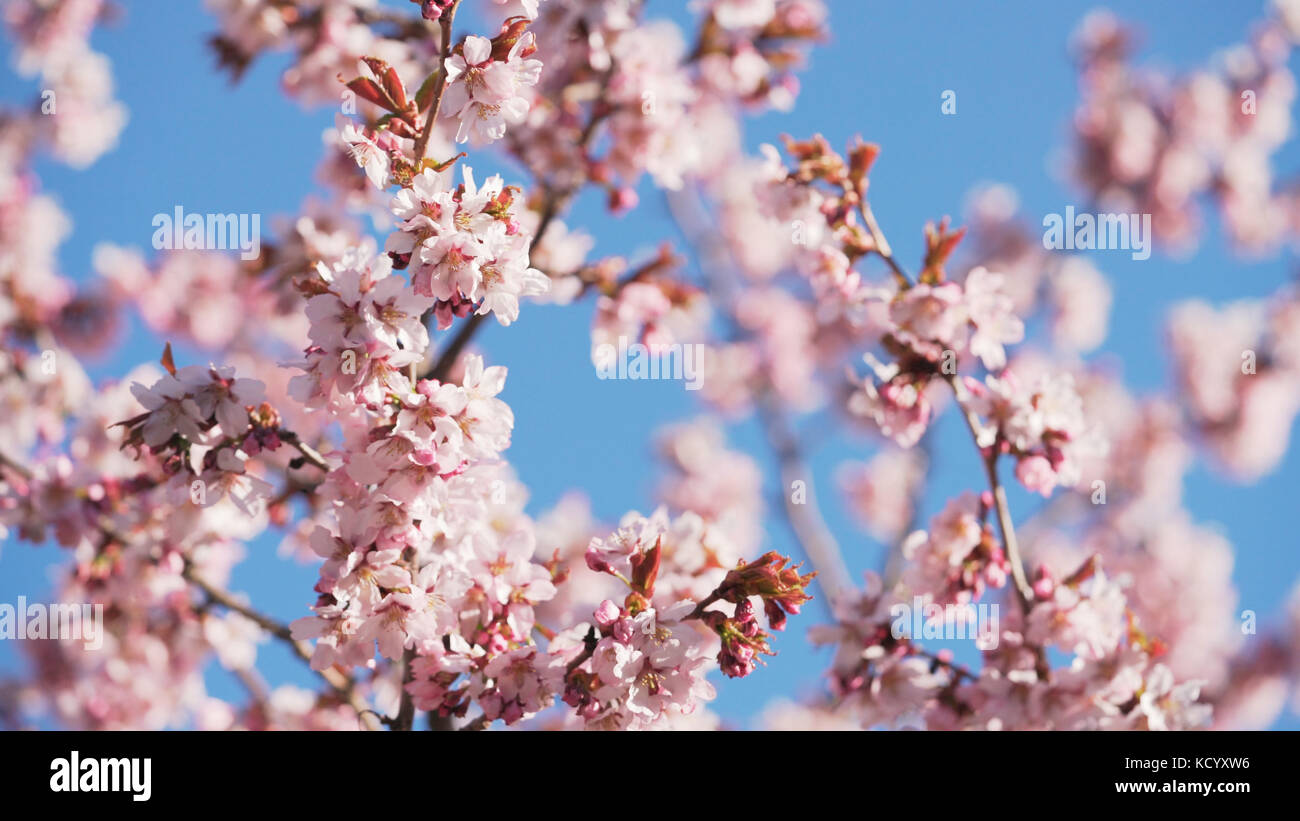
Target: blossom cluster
927	334
1156	144
464	247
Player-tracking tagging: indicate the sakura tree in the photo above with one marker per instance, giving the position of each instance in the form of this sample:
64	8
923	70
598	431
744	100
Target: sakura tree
343	409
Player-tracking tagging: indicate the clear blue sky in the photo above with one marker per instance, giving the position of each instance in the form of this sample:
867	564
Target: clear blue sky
195	140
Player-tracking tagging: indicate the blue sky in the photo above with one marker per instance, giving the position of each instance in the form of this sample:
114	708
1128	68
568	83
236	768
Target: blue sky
194	139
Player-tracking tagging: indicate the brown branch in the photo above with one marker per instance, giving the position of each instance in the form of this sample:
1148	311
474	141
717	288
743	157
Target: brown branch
447	357
342	685
309	454
439	85
989	457
405	717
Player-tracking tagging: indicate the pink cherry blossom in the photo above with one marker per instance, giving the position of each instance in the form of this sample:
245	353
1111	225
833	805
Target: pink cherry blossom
329	393
487	94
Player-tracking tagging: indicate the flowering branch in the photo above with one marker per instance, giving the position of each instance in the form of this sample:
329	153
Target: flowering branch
552	205
988	456
343	685
440	84
434	575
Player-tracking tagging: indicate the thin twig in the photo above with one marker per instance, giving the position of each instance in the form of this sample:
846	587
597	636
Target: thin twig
882	244
439	85
989	457
805	517
343	686
309	454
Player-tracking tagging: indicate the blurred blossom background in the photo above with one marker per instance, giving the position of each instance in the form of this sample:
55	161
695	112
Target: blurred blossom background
194	139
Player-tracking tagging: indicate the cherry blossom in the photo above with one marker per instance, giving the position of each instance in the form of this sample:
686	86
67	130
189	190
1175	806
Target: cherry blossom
484	90
330	394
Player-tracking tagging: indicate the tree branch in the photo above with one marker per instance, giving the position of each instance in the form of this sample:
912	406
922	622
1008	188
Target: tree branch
805	517
439	85
309	454
405	717
806	520
342	685
1023	591
989	457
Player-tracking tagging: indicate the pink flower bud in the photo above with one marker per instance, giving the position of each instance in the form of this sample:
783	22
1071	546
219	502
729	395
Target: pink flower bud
597	563
607	613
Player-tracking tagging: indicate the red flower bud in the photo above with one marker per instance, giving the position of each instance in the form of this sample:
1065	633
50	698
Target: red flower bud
768	578
645	569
